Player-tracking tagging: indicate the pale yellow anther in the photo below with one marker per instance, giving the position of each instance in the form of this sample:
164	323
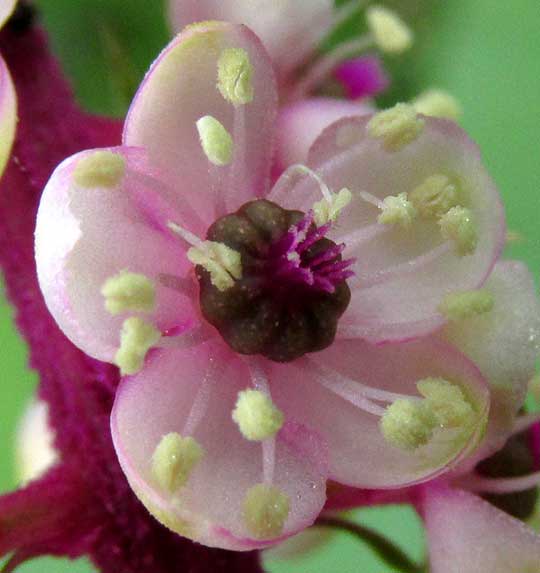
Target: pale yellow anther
396	127
265	511
466	304
99	169
435	196
173	461
327	211
458	226
438	103
397	210
216	141
223	263
235	74
408	424
390	32
256	415
129	292
136	339
447	402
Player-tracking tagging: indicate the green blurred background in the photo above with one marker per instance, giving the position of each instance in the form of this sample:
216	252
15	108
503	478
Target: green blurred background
486	52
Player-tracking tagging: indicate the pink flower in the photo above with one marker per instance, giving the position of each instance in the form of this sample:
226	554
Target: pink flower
468	535
252	323
8	102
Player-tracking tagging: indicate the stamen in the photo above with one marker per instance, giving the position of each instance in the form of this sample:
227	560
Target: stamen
396	127
408	424
328	209
99	169
438	103
202	399
235	76
476	482
391	34
173	461
435	196
461	305
269	459
397	210
256	415
128	291
222	263
136	339
265	510
447	402
457	224
216	141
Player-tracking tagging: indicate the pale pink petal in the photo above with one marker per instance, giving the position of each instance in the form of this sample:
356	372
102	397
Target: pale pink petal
402	275
505	344
289	29
86	235
300	123
6	8
468	535
313	390
193	392
8	112
180	88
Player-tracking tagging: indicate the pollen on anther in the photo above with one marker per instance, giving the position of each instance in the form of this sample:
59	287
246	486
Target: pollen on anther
216	141
438	103
136	338
390	33
447	402
466	304
265	511
408	424
397	210
174	459
256	415
128	291
222	263
396	127
458	226
99	169
235	76
327	211
435	196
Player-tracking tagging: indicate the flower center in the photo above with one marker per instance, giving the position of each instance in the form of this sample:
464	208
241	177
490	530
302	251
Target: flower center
292	289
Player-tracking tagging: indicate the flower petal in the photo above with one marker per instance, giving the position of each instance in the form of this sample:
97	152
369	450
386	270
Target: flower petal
289	29
468	535
8	113
504	343
300	123
85	236
192	392
181	88
312	391
402	274
6	9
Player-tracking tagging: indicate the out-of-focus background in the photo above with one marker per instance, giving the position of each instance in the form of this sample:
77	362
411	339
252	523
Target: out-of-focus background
486	52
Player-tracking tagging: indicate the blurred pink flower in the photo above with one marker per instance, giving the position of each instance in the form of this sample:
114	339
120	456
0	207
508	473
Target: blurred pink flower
242	398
